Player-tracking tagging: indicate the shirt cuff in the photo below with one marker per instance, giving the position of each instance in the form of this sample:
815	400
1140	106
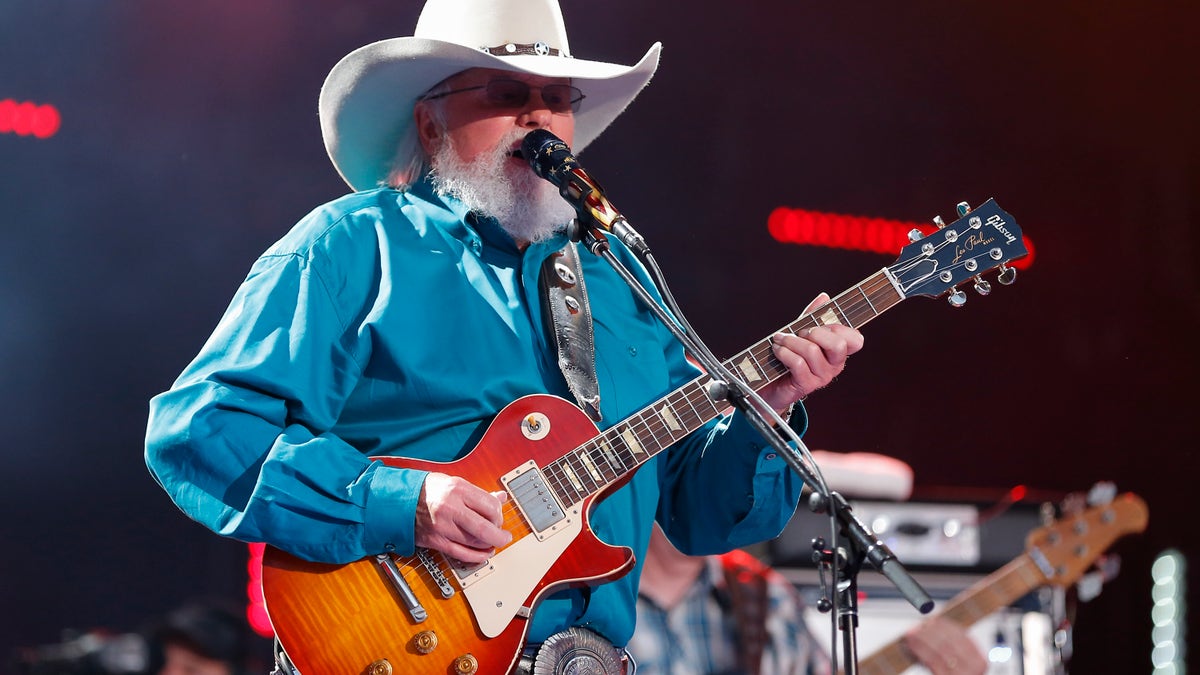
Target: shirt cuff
390	522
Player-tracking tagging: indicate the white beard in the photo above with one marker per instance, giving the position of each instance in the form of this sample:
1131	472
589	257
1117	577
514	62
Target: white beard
526	206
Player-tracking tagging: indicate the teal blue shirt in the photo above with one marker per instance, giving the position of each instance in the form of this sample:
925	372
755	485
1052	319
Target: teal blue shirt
394	323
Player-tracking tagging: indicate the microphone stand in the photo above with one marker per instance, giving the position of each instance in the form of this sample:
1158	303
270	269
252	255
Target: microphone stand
863	545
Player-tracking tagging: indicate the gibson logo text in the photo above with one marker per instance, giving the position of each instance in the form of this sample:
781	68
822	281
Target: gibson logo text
997	222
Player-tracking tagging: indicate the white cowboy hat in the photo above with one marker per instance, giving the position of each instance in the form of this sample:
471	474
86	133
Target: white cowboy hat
367	100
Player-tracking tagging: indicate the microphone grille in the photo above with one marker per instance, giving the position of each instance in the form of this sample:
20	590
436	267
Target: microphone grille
546	153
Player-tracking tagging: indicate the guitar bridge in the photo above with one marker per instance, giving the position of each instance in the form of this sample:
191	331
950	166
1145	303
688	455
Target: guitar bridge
435	572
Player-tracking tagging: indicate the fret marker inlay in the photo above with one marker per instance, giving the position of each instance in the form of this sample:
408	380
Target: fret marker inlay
632	442
827	317
669	419
572	477
610	455
748	370
591	467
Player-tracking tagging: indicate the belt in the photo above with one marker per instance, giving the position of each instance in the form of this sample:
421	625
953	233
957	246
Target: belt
575	651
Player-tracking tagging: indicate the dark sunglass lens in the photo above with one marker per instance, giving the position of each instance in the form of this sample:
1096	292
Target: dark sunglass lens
507	93
562	98
557	97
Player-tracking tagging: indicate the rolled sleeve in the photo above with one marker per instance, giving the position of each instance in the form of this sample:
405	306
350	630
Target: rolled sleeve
390	524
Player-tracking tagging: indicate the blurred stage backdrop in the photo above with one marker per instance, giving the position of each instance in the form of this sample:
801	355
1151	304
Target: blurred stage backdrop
150	149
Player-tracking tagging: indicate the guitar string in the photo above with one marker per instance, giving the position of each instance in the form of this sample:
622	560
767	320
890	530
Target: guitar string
762	356
661	434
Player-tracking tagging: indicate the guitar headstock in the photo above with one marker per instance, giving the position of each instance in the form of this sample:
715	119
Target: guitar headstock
981	240
1064	550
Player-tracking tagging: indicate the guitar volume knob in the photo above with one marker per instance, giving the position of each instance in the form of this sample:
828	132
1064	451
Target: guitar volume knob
380	667
424	642
466	665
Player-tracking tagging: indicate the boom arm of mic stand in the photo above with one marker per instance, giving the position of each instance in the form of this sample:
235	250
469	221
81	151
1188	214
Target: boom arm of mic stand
736	390
739	394
879	555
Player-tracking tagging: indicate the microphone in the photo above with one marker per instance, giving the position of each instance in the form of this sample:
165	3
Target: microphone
551	159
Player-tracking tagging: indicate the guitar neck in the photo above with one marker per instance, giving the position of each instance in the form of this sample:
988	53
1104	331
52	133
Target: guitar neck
620	450
999	589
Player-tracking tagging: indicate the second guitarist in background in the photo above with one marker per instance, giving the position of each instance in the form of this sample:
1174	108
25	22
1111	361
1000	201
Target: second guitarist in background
398	320
731	614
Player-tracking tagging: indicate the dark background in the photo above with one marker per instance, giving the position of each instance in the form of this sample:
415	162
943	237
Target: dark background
190	142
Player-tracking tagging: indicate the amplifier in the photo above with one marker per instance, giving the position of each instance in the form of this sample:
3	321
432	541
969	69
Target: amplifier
935	536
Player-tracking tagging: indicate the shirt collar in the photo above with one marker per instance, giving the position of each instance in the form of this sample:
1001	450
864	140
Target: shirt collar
475	230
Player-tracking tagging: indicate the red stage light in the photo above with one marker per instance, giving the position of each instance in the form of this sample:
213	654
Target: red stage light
29	119
1017	493
256	607
855	233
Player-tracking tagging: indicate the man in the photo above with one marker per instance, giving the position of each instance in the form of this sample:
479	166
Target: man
400	319
719	615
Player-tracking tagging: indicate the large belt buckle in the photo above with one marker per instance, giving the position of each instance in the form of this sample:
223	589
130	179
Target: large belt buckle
577	651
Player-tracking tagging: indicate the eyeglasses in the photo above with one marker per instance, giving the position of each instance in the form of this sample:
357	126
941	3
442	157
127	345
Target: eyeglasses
512	94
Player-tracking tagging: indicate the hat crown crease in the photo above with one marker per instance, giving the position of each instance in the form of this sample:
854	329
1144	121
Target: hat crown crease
488	23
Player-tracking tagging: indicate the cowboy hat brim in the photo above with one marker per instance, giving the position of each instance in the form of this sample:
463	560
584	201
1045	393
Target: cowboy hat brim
366	103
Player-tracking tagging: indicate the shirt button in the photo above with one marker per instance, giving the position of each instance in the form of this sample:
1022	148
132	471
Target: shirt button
633	351
770	455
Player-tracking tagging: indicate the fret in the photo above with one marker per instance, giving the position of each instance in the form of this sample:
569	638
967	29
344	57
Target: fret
749	370
591	468
579	466
605	462
613	458
659	432
840	313
628	445
689	418
573	478
867	298
644	433
668	418
619	440
555	476
632	443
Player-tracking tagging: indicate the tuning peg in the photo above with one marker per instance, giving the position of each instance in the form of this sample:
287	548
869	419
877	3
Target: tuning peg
963	209
915	235
941	224
1007	275
1102	493
1089	586
982	287
957	299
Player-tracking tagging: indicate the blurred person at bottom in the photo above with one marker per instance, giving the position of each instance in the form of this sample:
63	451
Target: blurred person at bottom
205	639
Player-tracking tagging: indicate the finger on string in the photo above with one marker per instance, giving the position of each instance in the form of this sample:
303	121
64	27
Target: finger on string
821	299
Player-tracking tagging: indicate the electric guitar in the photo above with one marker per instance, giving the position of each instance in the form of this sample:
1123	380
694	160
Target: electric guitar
1055	555
427	615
